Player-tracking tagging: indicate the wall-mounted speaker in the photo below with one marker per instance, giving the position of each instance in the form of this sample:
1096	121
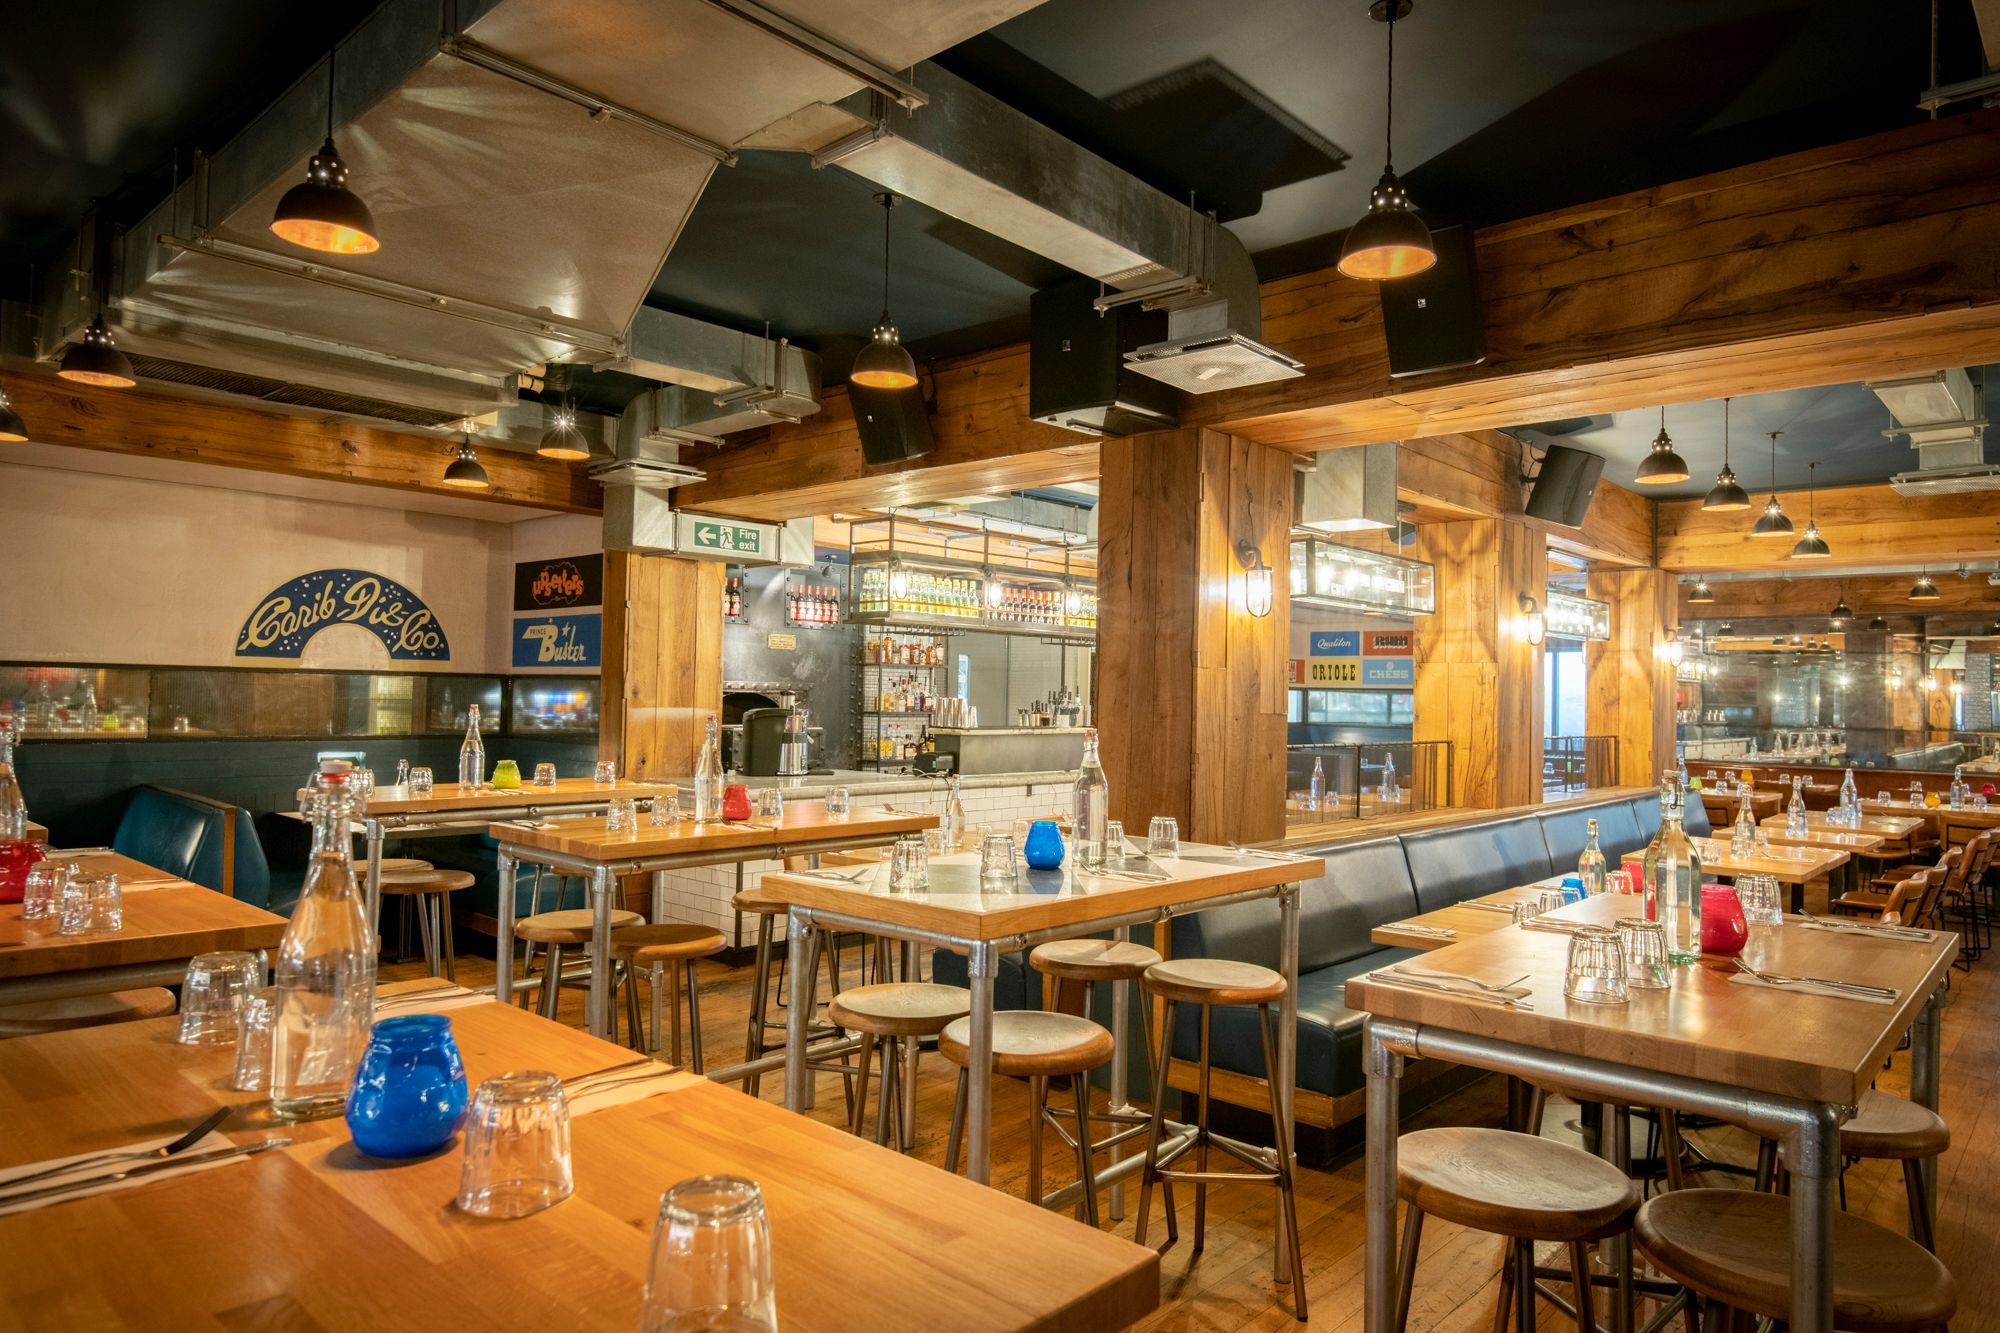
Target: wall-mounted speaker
895	424
1562	490
1432	320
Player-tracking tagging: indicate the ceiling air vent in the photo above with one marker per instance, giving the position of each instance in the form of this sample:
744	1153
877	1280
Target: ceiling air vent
291	395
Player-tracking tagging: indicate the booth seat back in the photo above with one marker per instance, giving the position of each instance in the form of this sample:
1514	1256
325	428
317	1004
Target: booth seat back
210	842
1452	864
1366	884
1566	831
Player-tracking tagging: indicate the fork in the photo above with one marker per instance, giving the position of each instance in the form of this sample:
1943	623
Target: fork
575	1081
1240	850
1859	988
194	1135
1393	978
1453	976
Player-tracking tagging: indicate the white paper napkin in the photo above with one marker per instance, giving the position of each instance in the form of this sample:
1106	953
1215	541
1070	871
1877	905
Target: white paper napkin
1909	933
439	1001
180	1167
633	1085
1812	988
1428	932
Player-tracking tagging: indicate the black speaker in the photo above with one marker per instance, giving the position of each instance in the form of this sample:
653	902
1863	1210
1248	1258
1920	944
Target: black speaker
1562	489
895	424
1432	320
1076	364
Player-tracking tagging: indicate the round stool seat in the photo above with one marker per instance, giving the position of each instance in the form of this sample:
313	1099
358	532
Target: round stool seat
1214	981
402	865
753	901
429	881
1513	1184
1029	1043
899	1009
571	926
1736	1246
84	1011
1888	1126
1093	960
664	943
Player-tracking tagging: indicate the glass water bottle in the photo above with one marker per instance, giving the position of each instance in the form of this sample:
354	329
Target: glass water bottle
951	819
1590	866
1795	810
471	753
325	971
13	810
708	776
1743	837
1316	790
1672	869
1961	790
1092	810
1392	794
1850	801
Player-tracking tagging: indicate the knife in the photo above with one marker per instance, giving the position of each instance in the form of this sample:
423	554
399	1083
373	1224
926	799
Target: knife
143	1169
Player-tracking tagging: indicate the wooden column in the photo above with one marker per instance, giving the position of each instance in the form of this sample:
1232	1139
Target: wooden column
1479	680
1631	683
1191	699
662	661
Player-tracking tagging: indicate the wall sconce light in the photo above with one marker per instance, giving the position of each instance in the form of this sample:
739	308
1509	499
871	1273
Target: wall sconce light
1256	580
1671	648
1532	623
1896	680
1926	683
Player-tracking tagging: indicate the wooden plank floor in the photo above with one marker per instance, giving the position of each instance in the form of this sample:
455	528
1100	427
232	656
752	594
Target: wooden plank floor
1229	1286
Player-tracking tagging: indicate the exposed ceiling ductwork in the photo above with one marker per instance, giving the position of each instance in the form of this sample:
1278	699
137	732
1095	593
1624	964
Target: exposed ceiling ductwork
974	157
1943	419
529	169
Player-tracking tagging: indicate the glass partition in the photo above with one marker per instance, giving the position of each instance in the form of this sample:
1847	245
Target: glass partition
1366	781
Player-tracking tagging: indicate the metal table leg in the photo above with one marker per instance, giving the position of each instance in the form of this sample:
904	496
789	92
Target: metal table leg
980	966
603	885
372	889
1924	1071
802	944
1814	1158
1618	1151
1288	1036
1384	1069
503	934
1121	1052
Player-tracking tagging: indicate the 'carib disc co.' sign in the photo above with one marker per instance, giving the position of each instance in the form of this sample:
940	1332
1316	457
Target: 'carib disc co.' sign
285	621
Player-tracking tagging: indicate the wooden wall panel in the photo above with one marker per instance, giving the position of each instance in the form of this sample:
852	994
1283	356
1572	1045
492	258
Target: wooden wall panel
662	675
1630	686
1478	678
1869	595
1865	525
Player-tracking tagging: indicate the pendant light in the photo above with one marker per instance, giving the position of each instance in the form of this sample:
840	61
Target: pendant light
97	360
1878	624
562	440
1923	590
1726	495
884	363
321	213
1390	240
1662	467
13	430
1701	592
1773	523
464	470
1811	546
1841	613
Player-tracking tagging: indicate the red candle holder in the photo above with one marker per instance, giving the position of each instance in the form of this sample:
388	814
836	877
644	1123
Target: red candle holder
1723	929
736	802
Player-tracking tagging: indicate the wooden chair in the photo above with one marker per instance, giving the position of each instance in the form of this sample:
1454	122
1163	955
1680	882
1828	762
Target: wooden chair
1901	904
1964	906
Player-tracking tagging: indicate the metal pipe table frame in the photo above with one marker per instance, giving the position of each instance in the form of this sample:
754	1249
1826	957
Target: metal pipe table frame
982	966
1809	1130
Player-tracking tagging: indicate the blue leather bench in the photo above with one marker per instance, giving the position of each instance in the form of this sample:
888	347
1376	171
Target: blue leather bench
207	841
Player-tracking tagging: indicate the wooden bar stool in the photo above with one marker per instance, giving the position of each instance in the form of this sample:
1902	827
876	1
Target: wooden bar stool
1733	1249
1036	1045
659	950
1209	982
756	1037
1519	1186
1076	968
37	1017
1884	1127
430	890
559	930
897	1016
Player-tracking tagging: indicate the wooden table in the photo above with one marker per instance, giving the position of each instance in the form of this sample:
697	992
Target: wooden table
132	874
165	924
1725	804
1887	826
958	913
1467	921
315	1235
583	847
1795	866
37	832
1935	818
1788	1066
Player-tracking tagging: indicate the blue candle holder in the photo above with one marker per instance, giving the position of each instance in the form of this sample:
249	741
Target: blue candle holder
409	1095
1044	847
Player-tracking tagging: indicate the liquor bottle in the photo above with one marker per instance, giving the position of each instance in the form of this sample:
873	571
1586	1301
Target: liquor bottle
1795	809
1590	866
708	776
325	972
1850	801
1092	811
951	819
1316	787
1672	869
471	753
1743	837
1961	791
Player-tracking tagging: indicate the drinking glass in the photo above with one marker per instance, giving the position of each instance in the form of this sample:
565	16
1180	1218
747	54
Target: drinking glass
1979	802
605	773
1163	836
41	896
996	861
666	810
253	1042
516	1146
910	864
837	803
770	803
1548	900
213	994
91	903
421	782
1645	952
1525	910
545	775
1114	842
1882	797
711	1262
1763	905
1595	973
621	816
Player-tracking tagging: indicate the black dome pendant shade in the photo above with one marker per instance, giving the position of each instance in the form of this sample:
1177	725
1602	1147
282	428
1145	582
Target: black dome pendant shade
464	470
1390	241
13	430
1725	495
1773	522
97	360
1811	546
1662	467
321	213
884	363
562	440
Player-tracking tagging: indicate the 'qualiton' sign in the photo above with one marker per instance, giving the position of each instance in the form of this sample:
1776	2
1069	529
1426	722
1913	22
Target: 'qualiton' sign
286	620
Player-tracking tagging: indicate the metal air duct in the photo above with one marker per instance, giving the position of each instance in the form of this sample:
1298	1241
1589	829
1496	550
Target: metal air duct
1940	416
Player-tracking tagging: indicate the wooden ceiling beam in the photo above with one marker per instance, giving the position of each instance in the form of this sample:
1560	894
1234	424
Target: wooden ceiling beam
1863	524
1869	595
146	424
